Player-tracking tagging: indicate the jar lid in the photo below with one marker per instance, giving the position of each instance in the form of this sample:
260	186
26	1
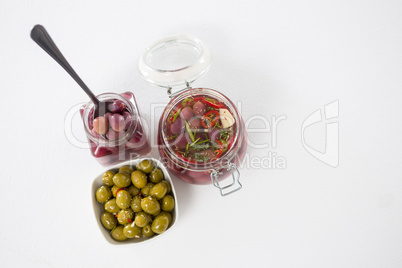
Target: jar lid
175	61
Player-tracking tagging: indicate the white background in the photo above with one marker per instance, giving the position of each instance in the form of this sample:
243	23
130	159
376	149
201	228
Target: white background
278	58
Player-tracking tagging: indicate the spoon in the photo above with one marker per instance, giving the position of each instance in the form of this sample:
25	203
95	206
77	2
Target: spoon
43	39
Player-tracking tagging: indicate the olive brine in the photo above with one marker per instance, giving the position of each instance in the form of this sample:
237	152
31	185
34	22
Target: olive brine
200	129
137	202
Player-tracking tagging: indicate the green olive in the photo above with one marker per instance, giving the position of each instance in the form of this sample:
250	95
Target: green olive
147	231
158	190
103	194
168	215
118	233
125	216
167	203
139	179
146	189
114	190
150	205
169	188
142	219
121	180
126	169
160	224
111	206
107	178
136	203
145	166
133	190
123	199
131	230
156	175
108	220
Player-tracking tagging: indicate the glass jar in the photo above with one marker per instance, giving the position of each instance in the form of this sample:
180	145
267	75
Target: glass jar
127	144
194	152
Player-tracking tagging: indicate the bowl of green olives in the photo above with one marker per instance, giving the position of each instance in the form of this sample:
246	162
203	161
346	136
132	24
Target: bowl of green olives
134	201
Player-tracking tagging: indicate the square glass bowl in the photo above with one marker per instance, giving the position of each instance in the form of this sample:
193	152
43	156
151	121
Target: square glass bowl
99	208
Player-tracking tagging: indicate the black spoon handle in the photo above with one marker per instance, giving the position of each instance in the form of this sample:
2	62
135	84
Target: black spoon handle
43	39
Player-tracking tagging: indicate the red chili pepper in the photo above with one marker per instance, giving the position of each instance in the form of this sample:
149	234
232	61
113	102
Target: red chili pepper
120	190
173	115
209	119
129	220
231	143
218	153
220	148
198	99
213	103
220	144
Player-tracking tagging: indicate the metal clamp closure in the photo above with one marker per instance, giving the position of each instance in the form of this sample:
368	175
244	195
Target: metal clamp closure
171	95
235	177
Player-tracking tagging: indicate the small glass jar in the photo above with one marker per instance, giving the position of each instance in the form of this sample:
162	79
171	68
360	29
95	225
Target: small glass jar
175	62
129	144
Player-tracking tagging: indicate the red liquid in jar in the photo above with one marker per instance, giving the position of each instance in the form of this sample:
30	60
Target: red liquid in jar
199	131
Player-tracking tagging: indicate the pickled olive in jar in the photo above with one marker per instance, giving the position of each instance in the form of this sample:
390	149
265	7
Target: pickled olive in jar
160	224
101	125
123	199
136	204
132	231
167	203
133	191
158	191
146	189
139	179
122	180
107	178
118	233
199	108
126	169
150	205
142	219
145	166
108	220
111	206
167	214
147	231
125	216
156	175
103	194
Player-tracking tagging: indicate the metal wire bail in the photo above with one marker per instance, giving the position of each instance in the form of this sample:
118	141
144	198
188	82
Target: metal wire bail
235	177
171	95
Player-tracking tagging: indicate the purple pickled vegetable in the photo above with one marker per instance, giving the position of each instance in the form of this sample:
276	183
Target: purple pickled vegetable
186	113
113	135
199	108
117	106
181	141
177	127
127	119
117	122
195	123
